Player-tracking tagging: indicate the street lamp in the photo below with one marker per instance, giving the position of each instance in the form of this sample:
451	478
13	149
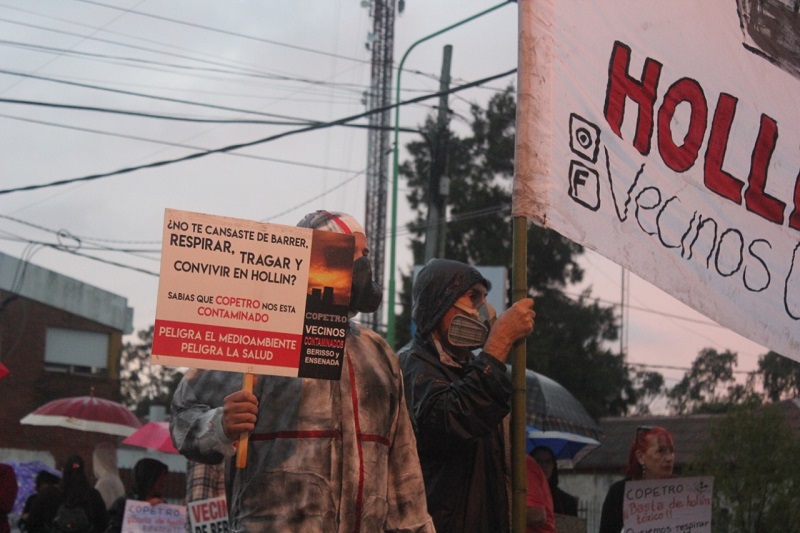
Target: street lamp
390	324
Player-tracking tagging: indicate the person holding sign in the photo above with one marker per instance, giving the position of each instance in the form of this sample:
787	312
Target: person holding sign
149	476
651	456
324	455
459	401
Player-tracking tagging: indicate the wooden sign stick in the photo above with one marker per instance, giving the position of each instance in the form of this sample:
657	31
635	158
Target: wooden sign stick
241	451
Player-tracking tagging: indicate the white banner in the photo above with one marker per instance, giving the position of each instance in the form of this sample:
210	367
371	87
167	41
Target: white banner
664	135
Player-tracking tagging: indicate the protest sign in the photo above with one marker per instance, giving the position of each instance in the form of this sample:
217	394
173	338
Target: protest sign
208	516
676	505
141	517
250	297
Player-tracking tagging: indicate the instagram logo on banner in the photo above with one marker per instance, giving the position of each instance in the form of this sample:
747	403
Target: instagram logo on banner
584	181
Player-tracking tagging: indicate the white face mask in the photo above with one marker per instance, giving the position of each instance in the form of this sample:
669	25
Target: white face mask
469	331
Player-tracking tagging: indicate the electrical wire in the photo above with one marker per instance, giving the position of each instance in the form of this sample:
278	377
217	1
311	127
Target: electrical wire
239	146
225	32
177	145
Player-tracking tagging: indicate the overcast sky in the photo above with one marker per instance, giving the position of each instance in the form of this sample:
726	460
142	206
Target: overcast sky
278	61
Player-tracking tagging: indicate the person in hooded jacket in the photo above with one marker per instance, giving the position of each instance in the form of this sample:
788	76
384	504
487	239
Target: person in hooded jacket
323	455
149	477
459	402
104	465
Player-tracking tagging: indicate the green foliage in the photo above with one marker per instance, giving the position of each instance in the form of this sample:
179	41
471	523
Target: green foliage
650	386
780	376
571	338
753	456
143	384
710	387
709	384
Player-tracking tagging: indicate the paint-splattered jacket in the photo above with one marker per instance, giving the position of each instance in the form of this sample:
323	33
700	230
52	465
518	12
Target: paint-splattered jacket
325	456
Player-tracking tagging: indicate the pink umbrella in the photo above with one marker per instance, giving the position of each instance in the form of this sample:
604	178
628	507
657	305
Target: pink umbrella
154	436
85	413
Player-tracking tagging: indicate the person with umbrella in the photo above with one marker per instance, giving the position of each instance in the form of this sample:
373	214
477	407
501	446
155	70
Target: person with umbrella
651	456
459	402
563	502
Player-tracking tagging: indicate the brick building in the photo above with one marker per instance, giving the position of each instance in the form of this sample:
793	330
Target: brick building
59	337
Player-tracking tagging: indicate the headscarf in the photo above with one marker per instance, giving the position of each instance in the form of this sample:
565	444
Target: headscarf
74	483
438	285
104	460
104	464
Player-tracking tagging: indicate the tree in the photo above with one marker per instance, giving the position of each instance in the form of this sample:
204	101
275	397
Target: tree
700	387
569	343
780	376
144	384
752	454
709	386
650	386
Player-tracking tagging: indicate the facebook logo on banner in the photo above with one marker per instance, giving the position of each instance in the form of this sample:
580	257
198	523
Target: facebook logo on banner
584	185
584	181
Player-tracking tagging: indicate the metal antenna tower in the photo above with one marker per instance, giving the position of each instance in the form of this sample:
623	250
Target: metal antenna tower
381	44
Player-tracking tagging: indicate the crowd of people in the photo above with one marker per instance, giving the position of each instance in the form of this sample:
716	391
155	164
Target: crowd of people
416	441
72	504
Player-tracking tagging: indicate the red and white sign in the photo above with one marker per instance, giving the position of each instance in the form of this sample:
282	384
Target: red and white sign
250	297
663	135
208	516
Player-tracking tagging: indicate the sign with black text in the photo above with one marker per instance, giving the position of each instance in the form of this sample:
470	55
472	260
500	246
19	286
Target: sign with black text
670	505
251	297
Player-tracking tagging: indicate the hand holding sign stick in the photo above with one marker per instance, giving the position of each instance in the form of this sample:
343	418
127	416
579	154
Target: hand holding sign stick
241	452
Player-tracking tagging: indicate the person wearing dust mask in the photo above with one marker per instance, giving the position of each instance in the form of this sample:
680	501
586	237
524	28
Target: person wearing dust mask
324	455
460	402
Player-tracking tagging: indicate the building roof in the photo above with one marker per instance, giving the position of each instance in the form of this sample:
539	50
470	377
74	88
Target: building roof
65	293
690	433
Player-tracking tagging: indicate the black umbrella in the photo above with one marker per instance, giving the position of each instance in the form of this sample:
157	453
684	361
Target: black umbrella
551	407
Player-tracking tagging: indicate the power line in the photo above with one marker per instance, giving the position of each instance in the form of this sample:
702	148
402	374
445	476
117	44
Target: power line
683	368
225	32
351	87
239	146
74	107
177	145
140	95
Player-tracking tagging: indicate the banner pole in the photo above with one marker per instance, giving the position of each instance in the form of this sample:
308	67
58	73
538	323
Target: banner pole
519	274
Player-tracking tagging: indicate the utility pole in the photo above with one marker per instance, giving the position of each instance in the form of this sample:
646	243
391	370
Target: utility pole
381	44
438	181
